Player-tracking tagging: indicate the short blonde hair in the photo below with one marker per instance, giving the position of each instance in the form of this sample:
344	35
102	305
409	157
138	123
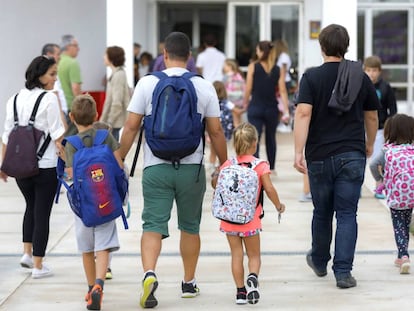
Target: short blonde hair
233	64
245	135
84	110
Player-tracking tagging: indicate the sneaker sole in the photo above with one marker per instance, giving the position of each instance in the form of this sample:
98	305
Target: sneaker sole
189	295
96	301
405	268
42	276
148	299
312	266
253	296
241	301
26	265
345	284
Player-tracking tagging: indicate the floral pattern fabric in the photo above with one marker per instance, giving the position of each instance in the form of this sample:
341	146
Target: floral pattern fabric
399	176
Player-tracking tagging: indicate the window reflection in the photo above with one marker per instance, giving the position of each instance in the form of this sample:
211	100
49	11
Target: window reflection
247	33
284	23
390	36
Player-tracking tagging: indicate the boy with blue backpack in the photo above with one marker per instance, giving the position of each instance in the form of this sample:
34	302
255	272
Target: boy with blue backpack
96	235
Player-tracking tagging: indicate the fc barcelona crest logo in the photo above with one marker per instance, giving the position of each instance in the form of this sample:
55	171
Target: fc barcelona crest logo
97	175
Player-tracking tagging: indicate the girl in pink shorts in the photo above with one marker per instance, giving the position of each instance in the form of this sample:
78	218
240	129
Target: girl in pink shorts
245	143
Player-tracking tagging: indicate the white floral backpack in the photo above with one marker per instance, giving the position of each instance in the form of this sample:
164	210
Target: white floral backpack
235	196
399	176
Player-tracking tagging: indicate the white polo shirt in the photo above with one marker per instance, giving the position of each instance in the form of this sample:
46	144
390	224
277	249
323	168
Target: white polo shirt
211	61
47	120
207	106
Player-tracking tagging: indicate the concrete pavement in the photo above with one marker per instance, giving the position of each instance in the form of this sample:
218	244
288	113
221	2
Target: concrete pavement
286	282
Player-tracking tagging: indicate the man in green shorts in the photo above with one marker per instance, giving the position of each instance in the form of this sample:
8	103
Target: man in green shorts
163	182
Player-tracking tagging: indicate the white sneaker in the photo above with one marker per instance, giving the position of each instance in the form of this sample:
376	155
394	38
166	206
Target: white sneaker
41	273
26	261
305	197
405	265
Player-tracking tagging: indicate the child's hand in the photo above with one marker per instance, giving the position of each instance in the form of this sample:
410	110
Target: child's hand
3	176
214	177
285	118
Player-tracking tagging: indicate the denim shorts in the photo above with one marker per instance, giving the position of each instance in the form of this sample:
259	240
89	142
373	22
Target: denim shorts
162	184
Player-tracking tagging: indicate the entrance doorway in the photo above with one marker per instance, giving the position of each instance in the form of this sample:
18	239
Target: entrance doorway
195	20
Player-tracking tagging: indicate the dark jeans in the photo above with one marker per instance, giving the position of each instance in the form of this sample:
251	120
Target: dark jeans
265	116
335	185
401	220
39	192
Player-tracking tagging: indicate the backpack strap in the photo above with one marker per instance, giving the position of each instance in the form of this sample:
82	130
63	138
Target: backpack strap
75	141
134	162
252	165
100	137
159	74
60	171
35	108
16	118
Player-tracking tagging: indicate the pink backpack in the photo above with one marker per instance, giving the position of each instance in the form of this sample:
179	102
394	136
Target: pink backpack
399	176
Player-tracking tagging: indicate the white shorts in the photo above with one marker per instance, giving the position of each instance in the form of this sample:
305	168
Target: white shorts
99	238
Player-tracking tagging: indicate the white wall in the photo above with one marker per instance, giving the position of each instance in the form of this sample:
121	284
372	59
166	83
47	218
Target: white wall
311	50
25	26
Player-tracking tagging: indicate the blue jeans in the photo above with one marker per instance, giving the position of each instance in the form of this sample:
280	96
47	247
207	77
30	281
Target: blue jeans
335	185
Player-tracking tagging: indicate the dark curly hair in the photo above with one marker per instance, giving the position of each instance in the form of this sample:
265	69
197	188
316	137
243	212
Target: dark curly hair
37	68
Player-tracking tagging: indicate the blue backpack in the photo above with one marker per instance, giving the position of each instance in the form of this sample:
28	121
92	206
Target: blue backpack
174	128
99	185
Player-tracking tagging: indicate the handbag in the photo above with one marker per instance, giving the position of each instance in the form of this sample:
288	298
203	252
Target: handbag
22	155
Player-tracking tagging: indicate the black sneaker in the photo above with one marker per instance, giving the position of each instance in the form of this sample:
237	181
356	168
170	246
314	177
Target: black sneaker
252	286
95	298
318	272
149	285
345	281
189	290
241	298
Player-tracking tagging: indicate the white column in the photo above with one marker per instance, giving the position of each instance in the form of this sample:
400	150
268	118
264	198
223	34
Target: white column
119	31
343	13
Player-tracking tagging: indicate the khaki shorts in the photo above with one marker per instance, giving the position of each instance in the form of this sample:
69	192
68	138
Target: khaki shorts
161	185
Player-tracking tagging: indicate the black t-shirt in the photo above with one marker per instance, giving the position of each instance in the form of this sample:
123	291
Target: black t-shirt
329	133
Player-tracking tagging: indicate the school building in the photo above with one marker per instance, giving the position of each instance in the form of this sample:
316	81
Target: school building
382	27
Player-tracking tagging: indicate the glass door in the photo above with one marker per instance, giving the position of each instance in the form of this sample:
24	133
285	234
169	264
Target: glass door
387	31
196	20
249	23
284	25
